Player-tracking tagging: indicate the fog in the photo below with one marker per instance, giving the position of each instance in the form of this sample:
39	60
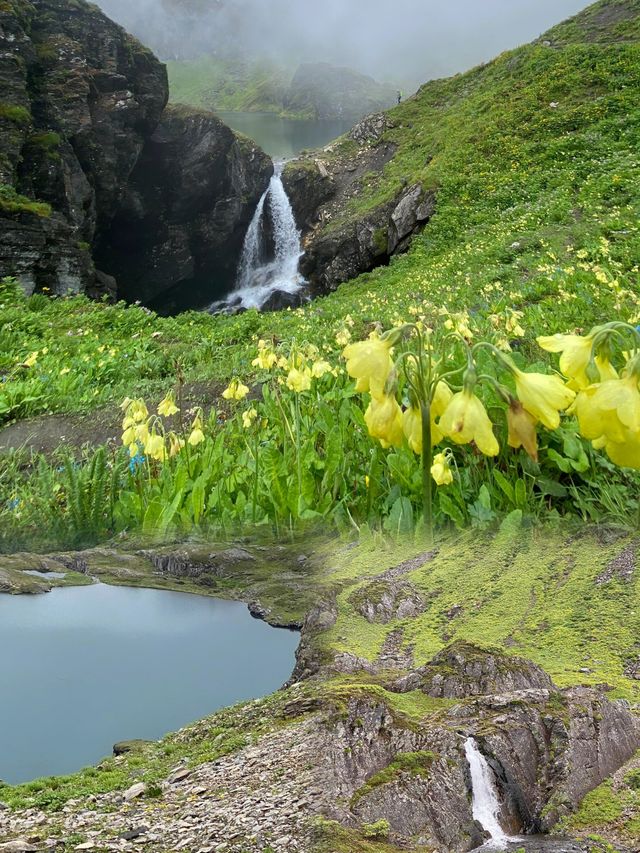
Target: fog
394	40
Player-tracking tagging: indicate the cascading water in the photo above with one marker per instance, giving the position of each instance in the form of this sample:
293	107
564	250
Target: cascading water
260	276
486	806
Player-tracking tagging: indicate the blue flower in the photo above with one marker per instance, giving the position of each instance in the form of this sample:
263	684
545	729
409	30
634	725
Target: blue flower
137	462
13	504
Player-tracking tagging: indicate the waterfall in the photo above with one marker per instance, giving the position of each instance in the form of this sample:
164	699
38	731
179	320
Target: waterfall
264	275
486	806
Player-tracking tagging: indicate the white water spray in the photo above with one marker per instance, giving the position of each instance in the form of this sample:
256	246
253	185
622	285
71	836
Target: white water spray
258	278
486	806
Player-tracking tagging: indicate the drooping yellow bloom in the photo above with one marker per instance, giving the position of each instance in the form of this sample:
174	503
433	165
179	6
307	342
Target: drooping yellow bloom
320	369
266	357
575	355
197	435
441	470
611	409
412	428
155	447
522	429
167	407
30	360
135	412
249	417
235	391
370	363
299	380
543	396
384	420
466	420
412	419
175	444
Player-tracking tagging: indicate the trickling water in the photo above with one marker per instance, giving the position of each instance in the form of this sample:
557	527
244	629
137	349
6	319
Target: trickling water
486	806
259	277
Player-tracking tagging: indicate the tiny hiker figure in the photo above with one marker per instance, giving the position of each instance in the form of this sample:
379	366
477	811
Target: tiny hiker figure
399	96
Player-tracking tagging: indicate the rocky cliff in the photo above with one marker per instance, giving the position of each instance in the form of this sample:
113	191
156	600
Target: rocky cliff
340	240
79	131
176	239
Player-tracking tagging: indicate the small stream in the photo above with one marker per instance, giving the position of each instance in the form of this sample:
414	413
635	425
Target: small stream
82	668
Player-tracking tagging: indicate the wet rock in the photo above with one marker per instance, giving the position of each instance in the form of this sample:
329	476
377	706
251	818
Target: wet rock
132	834
371	128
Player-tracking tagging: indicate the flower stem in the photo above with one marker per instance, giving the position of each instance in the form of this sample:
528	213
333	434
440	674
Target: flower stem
427	463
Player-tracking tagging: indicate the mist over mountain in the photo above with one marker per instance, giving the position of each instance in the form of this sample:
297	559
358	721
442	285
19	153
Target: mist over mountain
409	40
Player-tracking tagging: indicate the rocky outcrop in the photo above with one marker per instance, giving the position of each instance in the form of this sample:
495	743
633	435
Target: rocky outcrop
177	236
80	99
339	243
324	91
101	189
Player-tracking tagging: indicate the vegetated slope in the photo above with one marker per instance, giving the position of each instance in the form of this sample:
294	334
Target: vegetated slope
222	84
566	600
316	90
534	160
532	155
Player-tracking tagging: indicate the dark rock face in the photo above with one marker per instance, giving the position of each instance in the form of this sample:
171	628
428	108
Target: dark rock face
340	245
185	212
324	91
94	171
80	98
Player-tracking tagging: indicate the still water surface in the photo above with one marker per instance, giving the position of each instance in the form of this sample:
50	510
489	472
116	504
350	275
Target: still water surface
283	138
83	668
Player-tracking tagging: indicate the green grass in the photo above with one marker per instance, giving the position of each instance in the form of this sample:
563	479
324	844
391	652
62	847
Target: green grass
17	114
213	83
12	202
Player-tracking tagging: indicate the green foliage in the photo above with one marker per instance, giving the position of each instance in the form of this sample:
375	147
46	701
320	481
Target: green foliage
15	114
407	763
12	202
377	831
220	84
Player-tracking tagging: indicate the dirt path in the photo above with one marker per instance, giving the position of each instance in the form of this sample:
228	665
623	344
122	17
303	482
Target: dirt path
46	433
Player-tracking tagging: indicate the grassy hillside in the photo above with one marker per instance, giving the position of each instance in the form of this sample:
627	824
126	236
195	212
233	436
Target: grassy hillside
533	158
213	83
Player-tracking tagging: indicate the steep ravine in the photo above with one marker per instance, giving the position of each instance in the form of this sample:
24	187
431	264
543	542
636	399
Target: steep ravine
354	748
89	159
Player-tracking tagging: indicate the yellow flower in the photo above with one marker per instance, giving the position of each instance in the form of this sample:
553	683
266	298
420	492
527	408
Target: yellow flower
196	437
543	396
466	420
611	409
249	417
343	337
266	357
155	447
64	371
175	444
320	368
441	471
412	428
168	407
575	355
235	391
384	421
522	429
369	362
30	360
299	380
